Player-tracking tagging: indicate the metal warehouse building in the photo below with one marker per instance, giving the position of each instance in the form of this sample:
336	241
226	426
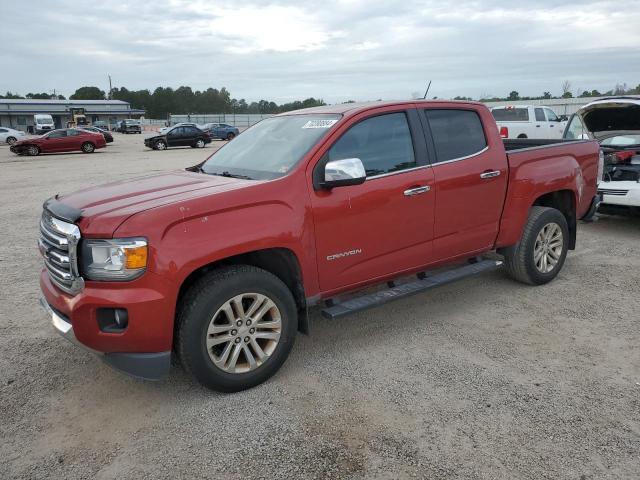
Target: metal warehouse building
19	113
562	106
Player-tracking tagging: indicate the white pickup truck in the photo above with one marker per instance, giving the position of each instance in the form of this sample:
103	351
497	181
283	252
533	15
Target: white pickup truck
527	121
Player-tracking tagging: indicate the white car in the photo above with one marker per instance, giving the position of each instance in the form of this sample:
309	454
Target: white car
9	135
527	121
615	123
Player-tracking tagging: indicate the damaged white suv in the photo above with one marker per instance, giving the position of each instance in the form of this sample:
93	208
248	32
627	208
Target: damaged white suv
615	123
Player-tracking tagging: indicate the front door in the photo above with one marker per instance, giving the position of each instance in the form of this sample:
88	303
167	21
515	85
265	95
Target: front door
470	182
385	225
175	137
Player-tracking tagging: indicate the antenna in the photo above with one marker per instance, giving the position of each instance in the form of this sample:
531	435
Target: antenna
428	87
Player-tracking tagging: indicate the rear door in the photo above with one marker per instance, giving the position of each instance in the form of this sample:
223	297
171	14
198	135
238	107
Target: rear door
470	170
541	124
384	225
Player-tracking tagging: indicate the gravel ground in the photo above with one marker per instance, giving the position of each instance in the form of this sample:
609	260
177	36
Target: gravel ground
485	378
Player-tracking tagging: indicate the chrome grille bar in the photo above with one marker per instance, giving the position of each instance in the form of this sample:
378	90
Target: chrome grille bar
58	244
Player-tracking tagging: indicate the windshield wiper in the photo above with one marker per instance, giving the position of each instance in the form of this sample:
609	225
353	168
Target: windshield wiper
231	175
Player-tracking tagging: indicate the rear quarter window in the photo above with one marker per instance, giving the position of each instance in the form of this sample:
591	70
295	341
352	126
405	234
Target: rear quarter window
511	114
456	133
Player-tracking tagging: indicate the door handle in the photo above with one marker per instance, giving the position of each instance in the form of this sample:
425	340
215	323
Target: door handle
490	174
416	191
537	126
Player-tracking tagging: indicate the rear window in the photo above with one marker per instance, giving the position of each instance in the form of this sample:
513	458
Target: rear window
511	114
456	133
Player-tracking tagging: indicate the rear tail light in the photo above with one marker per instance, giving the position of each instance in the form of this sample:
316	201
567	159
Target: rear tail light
504	132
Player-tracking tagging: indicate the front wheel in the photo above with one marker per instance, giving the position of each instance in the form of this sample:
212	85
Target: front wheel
160	145
88	147
33	150
236	327
539	256
200	143
11	140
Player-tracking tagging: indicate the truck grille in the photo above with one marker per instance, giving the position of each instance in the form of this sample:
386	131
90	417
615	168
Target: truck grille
58	245
610	191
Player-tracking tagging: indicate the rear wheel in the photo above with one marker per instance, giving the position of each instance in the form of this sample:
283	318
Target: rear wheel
11	140
522	135
160	145
236	327
230	136
541	252
88	147
33	150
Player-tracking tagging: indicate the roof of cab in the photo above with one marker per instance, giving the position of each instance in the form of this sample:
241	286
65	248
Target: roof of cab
348	109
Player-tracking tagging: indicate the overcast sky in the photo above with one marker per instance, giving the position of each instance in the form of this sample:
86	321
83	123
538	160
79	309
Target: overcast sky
360	50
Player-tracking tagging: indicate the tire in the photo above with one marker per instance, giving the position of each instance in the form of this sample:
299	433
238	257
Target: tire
11	140
201	310
33	150
231	136
522	135
199	143
519	259
160	145
88	147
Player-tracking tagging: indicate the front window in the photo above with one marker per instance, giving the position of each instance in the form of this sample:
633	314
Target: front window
271	148
576	130
551	116
383	144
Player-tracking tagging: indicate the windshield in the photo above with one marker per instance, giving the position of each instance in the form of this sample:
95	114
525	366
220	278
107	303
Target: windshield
621	141
270	148
41	121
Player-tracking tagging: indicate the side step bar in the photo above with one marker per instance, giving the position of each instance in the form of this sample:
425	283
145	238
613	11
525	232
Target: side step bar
338	310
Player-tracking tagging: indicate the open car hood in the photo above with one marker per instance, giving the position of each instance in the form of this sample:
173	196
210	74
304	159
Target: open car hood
611	116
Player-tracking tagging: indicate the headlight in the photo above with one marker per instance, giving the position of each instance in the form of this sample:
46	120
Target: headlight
114	260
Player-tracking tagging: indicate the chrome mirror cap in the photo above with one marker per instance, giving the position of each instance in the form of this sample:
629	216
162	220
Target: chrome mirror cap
347	171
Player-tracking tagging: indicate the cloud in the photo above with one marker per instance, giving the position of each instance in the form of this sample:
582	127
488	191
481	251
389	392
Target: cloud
337	50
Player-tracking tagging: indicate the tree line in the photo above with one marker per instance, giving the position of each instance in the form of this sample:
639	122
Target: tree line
180	101
184	100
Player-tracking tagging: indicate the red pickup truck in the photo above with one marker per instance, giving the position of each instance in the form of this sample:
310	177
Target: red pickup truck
217	266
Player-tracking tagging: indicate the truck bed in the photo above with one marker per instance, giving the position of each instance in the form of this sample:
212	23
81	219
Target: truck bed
522	143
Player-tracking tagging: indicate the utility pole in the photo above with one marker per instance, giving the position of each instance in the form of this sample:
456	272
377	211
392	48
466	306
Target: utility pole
110	88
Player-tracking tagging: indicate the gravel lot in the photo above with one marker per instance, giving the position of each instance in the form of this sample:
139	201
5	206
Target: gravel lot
485	378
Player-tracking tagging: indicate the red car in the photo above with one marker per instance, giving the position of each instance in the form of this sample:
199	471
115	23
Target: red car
65	140
220	264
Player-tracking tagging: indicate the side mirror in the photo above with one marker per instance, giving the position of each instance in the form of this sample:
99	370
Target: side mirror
340	173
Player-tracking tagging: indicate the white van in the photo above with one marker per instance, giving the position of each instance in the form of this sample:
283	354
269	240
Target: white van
528	121
43	123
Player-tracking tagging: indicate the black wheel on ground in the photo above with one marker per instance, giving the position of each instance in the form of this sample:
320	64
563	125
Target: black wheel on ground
199	143
541	252
11	140
160	145
230	136
88	147
236	327
33	150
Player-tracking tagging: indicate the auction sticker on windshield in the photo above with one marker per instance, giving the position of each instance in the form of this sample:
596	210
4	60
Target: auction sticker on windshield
319	123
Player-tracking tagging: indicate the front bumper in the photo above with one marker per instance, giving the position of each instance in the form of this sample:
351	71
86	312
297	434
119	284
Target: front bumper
148	366
622	193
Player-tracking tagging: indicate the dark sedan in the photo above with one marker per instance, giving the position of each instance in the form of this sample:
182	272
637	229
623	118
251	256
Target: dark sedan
180	136
107	135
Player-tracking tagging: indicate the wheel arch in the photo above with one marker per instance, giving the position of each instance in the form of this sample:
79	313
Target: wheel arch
565	202
281	262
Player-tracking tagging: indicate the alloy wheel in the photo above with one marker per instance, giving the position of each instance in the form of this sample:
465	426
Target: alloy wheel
548	247
243	333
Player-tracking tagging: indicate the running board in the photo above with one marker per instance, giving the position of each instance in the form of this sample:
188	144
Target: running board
338	310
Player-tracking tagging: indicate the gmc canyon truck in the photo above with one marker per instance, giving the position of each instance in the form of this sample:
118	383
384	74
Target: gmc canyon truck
217	266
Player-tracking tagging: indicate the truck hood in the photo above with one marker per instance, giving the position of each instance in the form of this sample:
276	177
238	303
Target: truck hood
106	207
